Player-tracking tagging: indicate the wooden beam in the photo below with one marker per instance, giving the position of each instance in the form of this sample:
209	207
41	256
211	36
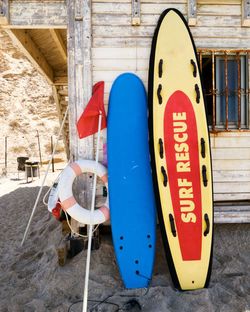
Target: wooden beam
136	12
245	14
79	72
4	12
231	213
31	51
192	12
55	34
80	87
60	80
36	14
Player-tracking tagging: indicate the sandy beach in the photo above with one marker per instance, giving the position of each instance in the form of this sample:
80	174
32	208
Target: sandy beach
32	281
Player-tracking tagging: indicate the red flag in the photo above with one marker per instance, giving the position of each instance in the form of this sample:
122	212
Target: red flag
88	122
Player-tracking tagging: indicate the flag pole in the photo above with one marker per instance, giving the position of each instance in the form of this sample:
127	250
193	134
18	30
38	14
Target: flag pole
90	231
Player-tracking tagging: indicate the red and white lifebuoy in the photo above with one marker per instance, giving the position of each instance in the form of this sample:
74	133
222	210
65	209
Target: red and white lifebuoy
68	202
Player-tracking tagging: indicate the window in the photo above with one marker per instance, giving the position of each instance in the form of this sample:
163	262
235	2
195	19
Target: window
225	76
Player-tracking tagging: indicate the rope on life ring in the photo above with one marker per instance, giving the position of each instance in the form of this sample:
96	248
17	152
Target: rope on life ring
68	202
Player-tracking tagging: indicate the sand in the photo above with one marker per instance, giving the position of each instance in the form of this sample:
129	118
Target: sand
31	279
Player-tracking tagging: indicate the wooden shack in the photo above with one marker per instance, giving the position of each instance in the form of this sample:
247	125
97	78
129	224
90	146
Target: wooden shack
76	43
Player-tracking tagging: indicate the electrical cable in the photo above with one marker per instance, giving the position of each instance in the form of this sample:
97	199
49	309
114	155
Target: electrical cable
125	307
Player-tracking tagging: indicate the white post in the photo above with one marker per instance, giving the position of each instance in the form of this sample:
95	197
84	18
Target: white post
86	284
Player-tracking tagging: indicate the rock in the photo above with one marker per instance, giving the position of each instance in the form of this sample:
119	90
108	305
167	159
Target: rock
26	106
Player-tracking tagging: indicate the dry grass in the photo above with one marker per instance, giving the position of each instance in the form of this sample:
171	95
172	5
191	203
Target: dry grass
3	111
47	148
56	130
33	146
56	160
18	149
59	149
14	125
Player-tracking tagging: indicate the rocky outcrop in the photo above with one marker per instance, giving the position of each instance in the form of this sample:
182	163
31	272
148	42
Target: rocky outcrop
27	106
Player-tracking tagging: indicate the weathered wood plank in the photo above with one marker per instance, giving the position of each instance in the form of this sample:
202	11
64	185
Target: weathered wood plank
232	214
120	53
231	196
229	176
245	13
80	74
55	34
219	9
218	21
125	8
221	32
120	31
111	75
148	31
220	2
192	12
232	142
201	42
48	14
4	12
112	8
22	39
136	13
151	20
156	2
60	80
232	187
105	19
71	80
122	64
42	14
80	87
231	164
231	153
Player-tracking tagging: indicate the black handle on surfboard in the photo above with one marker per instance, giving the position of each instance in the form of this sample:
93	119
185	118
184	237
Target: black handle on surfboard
204	175
203	151
165	177
198	94
206	218
172	225
159	94
160	68
194	66
161	148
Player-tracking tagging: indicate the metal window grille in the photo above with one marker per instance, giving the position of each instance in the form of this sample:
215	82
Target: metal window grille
215	97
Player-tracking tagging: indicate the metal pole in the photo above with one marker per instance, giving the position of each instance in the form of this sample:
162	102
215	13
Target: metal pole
239	89
5	155
52	155
85	295
213	91
226	87
39	148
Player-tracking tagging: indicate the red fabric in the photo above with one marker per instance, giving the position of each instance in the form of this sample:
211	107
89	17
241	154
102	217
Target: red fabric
57	211
88	122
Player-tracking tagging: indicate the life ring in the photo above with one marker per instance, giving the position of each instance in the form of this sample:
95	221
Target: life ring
68	202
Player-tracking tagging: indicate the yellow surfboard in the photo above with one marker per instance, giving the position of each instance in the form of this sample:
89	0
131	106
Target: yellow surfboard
180	152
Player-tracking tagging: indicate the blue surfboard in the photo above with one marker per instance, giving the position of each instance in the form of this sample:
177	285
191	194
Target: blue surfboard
131	196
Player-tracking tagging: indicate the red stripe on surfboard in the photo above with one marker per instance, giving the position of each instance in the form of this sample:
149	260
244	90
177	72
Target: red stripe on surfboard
182	160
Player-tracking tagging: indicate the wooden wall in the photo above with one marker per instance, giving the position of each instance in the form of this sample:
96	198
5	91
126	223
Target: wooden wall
119	47
231	165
